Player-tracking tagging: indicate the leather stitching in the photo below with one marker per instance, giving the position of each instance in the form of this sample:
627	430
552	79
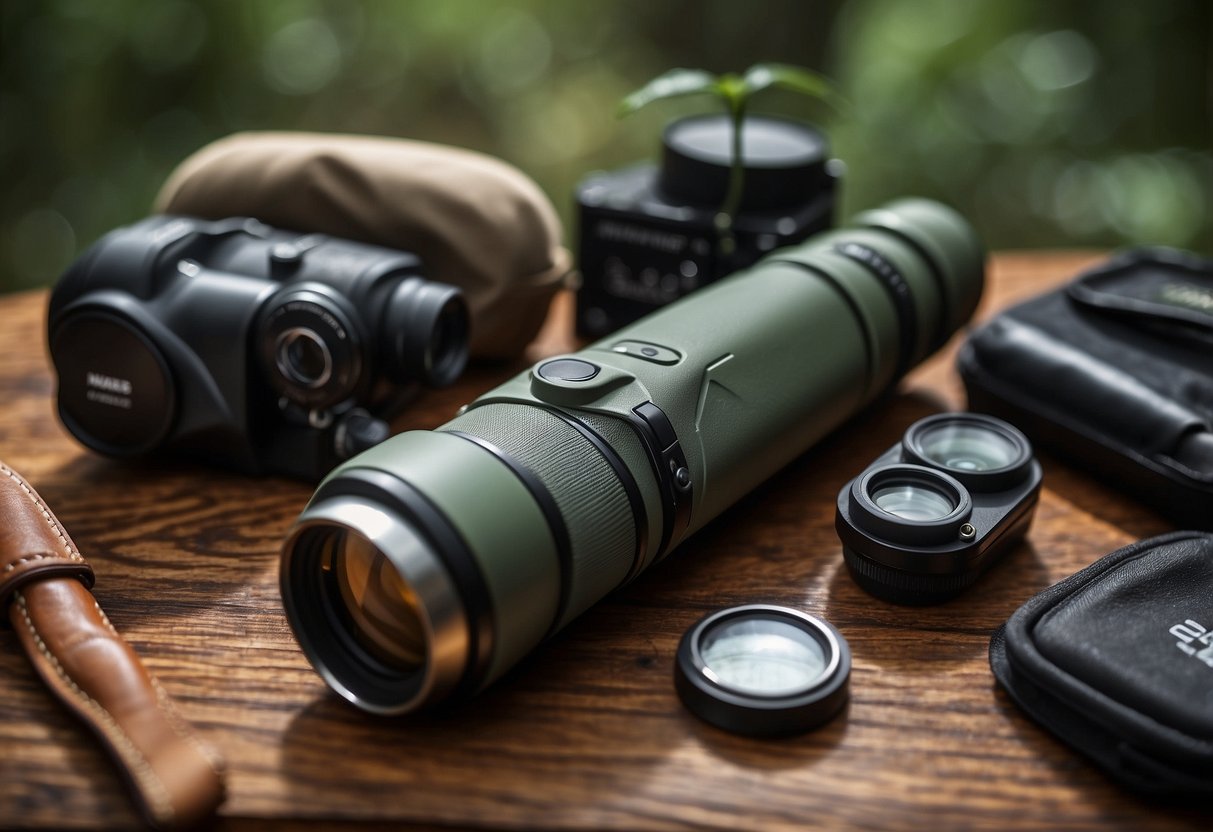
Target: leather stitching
182	729
9	567
158	796
46	512
175	721
160	801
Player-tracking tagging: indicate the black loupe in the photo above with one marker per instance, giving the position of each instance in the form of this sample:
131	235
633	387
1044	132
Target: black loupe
762	670
935	511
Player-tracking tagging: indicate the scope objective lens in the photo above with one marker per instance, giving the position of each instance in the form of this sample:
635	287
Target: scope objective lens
384	615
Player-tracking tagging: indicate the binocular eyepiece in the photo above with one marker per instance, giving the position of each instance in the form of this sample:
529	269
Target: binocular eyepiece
428	565
937	510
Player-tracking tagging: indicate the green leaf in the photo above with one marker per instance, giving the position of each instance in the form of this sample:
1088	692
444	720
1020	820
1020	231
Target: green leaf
672	84
794	78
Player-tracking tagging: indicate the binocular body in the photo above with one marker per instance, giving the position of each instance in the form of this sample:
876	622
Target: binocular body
253	348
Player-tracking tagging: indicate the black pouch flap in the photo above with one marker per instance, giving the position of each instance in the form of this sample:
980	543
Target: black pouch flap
1117	661
1153	286
1114	370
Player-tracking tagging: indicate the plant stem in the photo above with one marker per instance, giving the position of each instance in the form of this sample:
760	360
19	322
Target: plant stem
732	201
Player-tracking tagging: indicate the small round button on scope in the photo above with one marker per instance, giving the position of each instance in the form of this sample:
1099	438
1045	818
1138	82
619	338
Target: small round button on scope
568	369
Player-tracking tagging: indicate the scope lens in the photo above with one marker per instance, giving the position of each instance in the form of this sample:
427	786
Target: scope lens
913	500
384	615
765	657
967	447
303	357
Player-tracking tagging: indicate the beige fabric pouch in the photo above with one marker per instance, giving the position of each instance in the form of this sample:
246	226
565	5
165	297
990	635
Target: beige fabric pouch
475	221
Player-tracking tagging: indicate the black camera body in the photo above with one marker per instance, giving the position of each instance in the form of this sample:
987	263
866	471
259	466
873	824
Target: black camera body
252	348
648	234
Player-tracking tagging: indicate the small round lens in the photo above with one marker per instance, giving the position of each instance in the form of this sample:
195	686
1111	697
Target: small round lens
384	613
762	670
913	500
762	656
967	447
303	357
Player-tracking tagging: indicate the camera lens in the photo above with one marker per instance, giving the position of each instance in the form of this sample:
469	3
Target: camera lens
302	356
982	452
384	612
555	496
763	670
913	500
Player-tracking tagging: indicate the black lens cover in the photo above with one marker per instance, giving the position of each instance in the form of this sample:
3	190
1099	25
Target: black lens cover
762	670
116	392
897	549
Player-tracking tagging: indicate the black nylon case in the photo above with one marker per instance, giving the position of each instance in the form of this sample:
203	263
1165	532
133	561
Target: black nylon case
1117	662
1110	372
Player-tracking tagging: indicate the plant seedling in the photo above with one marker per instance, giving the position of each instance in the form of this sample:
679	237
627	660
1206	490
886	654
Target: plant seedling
735	92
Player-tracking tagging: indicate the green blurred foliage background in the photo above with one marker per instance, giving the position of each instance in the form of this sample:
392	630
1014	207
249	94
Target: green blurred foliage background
1050	123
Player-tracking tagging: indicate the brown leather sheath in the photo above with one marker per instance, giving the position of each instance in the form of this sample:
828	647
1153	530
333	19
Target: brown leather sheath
44	595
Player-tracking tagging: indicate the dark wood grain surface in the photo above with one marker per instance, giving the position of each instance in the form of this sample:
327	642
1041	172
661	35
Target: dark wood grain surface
587	733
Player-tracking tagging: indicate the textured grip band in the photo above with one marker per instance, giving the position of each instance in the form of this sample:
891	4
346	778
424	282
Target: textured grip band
175	779
592	500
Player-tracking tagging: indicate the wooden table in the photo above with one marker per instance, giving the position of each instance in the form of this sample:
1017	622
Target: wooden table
588	733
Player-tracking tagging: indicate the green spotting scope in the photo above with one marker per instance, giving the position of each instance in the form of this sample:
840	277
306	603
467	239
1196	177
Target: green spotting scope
428	565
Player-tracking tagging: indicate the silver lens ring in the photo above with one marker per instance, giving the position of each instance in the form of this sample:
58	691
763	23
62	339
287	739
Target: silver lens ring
440	609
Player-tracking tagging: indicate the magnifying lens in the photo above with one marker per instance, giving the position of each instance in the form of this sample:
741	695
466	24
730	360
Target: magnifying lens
762	670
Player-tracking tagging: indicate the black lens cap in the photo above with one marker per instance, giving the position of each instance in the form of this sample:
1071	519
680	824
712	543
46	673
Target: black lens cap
762	670
116	393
